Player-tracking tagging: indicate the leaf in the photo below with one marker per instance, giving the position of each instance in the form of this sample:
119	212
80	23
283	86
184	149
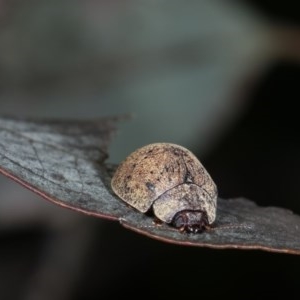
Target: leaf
240	224
63	161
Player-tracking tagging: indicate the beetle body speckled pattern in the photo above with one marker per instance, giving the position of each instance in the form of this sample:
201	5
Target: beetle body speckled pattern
170	179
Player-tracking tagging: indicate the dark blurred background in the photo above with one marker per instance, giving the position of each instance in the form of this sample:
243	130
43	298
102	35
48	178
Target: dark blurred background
219	77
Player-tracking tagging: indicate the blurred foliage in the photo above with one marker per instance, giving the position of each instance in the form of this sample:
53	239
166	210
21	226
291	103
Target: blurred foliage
175	65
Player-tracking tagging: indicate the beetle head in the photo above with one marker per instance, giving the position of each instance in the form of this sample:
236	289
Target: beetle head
191	221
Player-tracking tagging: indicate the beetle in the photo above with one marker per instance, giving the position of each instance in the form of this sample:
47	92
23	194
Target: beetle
170	180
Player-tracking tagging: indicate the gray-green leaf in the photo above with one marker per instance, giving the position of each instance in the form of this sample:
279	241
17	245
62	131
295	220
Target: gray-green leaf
63	161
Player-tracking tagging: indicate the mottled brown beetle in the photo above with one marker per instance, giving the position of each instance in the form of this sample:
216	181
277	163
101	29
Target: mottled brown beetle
170	179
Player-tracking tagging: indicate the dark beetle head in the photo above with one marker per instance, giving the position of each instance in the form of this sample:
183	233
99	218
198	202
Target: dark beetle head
190	220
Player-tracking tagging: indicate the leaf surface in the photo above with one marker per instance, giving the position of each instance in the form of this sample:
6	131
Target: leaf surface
64	162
